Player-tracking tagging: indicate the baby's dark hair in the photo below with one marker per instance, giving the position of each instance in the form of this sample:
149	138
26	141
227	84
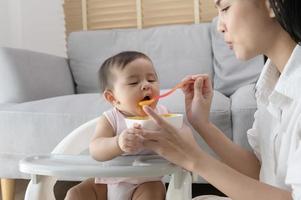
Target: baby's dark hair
119	61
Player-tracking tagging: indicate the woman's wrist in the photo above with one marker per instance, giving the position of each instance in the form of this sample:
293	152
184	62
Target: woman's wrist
203	127
194	162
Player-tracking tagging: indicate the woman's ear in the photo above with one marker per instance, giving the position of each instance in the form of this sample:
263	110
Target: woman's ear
109	97
270	9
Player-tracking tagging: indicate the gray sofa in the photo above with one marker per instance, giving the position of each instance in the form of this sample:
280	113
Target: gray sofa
44	97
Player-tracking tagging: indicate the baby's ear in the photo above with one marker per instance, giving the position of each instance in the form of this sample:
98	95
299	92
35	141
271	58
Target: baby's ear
109	97
270	9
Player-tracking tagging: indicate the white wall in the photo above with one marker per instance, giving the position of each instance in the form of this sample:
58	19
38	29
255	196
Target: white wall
4	36
36	25
9	23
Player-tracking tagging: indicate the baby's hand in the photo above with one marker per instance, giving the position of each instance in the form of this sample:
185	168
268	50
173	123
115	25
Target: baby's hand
129	140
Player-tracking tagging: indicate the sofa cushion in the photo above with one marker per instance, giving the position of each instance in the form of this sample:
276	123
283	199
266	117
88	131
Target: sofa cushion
42	124
229	72
37	127
175	51
243	107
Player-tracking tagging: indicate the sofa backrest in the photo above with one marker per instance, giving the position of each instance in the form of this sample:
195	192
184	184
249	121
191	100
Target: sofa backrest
27	76
176	51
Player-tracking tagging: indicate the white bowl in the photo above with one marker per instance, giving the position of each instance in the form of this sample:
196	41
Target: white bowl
147	123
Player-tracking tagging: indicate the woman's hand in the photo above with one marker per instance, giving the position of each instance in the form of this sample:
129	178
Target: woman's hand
129	140
198	96
176	145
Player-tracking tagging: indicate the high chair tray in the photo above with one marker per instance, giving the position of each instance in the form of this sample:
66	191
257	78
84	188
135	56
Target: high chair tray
84	166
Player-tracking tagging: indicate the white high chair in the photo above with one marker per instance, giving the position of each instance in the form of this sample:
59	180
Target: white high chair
65	163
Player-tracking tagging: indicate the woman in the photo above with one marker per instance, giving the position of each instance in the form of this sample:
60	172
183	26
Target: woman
273	169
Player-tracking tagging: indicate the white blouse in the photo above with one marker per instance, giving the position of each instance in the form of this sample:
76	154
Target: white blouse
276	133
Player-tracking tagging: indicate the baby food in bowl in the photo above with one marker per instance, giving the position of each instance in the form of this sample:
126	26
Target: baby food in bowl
146	122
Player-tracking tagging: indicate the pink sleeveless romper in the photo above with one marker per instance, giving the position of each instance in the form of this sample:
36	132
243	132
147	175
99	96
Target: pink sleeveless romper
123	188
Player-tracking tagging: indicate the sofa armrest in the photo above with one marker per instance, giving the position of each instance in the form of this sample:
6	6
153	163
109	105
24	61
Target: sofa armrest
27	76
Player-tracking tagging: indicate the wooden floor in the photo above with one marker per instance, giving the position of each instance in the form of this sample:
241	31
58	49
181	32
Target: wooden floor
62	187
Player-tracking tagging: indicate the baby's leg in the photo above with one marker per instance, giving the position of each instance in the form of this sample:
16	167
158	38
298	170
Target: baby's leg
150	190
87	190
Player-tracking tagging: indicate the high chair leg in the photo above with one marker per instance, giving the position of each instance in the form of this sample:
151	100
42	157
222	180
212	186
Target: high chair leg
8	189
179	186
40	188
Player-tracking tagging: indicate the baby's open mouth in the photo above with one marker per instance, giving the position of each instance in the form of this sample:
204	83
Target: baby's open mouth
146	101
146	98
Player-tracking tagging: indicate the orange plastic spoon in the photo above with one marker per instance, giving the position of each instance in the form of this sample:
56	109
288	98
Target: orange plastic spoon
149	102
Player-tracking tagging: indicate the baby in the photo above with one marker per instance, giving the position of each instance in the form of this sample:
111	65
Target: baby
125	79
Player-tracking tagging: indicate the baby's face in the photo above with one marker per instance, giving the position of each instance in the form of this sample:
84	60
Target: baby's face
136	82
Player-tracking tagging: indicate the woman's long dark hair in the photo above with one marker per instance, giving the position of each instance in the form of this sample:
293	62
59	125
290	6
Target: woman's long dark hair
288	14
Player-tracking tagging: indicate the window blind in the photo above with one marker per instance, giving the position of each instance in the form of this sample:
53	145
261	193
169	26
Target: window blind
162	12
109	14
73	15
103	14
207	10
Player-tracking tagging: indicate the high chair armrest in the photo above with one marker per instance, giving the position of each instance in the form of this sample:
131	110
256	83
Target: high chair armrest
66	164
46	169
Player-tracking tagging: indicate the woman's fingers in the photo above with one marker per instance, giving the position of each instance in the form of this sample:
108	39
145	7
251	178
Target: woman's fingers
191	83
198	85
187	83
152	135
152	145
202	87
159	120
192	77
187	79
207	87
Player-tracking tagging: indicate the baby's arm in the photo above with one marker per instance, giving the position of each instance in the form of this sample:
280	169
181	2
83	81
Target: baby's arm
104	143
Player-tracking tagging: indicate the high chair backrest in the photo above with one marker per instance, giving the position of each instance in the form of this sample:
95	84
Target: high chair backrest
78	140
